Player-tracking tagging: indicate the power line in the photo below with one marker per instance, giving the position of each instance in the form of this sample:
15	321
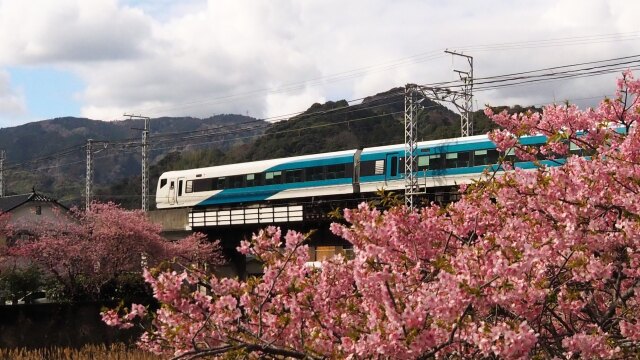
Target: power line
483	84
492	82
505	77
409	60
563	41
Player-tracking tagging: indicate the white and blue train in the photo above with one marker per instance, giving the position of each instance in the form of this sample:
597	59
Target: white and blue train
346	173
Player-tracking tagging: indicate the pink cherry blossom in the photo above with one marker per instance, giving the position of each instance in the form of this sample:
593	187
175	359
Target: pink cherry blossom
538	263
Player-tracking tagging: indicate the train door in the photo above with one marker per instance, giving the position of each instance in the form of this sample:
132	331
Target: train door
172	192
180	192
392	167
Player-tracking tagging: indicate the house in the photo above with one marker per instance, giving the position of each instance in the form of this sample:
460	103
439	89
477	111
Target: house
29	211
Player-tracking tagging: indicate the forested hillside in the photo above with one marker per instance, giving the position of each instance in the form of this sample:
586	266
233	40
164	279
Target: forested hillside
50	156
182	143
332	126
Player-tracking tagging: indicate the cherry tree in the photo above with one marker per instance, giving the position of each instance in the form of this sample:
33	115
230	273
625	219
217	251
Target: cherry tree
539	263
99	245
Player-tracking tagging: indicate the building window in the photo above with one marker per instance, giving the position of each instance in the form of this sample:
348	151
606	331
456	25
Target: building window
38	210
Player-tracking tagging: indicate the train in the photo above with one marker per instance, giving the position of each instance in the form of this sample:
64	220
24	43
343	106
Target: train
341	174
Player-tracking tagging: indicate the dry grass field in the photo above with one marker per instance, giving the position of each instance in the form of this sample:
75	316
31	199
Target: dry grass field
92	352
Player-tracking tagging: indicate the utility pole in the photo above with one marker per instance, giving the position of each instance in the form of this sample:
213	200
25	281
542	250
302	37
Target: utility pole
411	186
466	110
89	180
145	160
2	158
413	96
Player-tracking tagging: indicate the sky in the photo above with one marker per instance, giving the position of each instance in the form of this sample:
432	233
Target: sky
101	59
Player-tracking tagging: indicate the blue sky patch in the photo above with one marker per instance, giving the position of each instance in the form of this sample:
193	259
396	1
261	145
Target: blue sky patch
49	92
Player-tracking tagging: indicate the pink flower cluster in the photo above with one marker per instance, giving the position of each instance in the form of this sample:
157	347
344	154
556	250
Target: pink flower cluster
538	263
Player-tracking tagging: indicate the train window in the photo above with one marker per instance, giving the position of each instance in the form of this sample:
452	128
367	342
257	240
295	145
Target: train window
273	177
510	155
423	162
379	170
163	182
180	188
236	181
201	185
451	160
220	183
372	167
188	188
315	173
485	157
251	180
367	168
336	171
464	159
293	176
574	149
436	162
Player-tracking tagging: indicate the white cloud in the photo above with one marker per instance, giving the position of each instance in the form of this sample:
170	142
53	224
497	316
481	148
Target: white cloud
70	31
278	105
199	58
12	101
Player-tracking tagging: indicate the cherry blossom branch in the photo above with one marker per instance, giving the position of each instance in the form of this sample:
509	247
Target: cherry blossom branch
248	348
452	335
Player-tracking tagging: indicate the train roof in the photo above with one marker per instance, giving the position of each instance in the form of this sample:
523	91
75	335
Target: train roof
431	143
260	165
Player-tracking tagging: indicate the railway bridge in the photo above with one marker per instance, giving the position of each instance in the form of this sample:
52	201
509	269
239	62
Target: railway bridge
230	225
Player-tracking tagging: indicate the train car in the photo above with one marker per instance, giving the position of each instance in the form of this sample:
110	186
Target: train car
349	173
328	174
441	163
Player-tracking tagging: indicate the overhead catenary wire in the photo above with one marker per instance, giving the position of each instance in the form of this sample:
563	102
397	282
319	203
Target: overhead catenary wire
563	41
124	146
557	77
548	71
493	81
412	59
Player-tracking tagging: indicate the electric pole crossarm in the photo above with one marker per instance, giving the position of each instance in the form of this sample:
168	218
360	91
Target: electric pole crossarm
466	109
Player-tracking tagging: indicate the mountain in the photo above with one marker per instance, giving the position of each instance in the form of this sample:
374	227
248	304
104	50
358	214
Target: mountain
333	126
63	176
181	143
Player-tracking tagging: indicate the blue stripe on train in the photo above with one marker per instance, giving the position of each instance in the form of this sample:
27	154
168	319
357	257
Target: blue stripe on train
449	148
461	170
346	159
262	193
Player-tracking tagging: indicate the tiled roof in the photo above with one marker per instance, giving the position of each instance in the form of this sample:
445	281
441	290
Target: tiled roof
9	203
